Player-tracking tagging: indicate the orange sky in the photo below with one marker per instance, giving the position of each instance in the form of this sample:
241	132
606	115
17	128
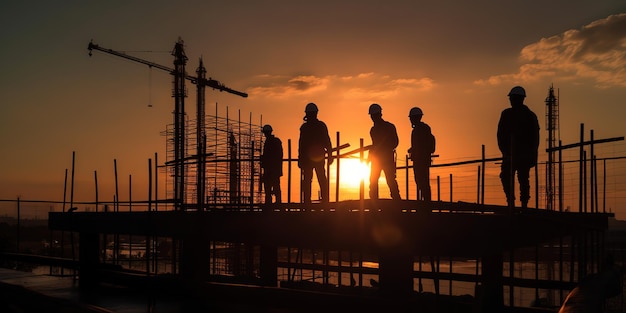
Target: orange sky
455	59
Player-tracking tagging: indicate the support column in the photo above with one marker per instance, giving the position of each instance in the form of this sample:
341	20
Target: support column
491	299
396	274
268	265
194	261
88	259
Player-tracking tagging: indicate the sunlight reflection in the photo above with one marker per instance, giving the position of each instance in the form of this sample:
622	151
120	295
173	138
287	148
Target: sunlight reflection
352	172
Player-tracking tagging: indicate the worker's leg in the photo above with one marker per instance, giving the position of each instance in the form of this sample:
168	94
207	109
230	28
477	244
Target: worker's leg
523	176
267	188
307	177
422	178
390	176
375	170
276	189
273	185
320	171
506	177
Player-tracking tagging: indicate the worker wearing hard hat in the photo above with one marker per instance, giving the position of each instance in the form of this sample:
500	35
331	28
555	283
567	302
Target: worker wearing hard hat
272	165
518	140
382	154
313	148
422	147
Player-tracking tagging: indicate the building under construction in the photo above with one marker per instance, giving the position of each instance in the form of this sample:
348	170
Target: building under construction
210	159
220	164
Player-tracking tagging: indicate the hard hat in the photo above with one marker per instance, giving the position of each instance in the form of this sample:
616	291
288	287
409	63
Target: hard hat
517	91
311	107
415	111
267	128
375	109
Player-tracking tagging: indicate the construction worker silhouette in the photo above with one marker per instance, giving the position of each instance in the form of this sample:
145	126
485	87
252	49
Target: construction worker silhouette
422	146
313	147
382	154
272	164
518	140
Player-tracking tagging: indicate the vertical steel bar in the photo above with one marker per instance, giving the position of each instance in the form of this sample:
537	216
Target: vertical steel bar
482	177
289	170
362	182
478	187
580	169
406	176
451	188
337	177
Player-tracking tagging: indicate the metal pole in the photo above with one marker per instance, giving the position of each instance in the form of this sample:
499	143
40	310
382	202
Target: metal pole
438	188
560	177
337	178
580	169
482	178
130	193
64	193
450	187
584	181
407	176
71	209
95	177
478	187
115	209
117	194
149	185
362	182
289	170
148	239
592	208
604	187
156	183
130	209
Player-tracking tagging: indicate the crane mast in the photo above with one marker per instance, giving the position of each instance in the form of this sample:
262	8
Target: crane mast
552	120
179	95
180	60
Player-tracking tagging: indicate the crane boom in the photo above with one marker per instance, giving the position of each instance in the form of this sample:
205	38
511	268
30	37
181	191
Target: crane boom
195	80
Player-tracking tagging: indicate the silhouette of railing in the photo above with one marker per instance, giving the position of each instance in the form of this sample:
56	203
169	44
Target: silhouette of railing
348	269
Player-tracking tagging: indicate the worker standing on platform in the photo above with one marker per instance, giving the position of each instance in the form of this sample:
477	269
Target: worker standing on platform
313	148
382	154
422	146
272	165
518	140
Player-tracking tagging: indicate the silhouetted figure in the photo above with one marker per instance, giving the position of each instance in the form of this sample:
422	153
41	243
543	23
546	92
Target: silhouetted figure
518	140
382	154
314	146
272	165
422	146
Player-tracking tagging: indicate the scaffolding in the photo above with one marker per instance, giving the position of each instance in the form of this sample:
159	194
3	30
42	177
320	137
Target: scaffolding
231	172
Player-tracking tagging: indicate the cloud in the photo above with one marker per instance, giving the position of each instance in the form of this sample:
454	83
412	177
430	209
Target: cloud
596	52
283	86
361	86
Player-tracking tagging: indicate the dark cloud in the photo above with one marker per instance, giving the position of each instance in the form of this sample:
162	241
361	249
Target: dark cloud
596	51
602	36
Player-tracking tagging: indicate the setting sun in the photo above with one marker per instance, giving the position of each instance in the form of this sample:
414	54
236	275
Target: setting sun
352	171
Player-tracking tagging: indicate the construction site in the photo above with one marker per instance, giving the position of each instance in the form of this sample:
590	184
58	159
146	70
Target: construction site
212	237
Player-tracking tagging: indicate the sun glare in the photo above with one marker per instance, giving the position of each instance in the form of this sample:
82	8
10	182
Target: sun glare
352	171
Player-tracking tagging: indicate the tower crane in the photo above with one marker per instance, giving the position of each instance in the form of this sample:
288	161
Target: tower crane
194	80
179	112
